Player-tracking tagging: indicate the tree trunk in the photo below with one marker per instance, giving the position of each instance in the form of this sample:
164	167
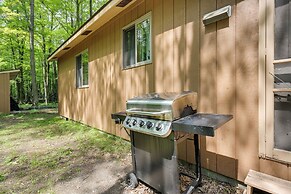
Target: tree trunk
90	4
78	13
32	60
20	79
55	88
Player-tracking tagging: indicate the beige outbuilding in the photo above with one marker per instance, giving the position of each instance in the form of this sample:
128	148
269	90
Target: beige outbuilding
5	77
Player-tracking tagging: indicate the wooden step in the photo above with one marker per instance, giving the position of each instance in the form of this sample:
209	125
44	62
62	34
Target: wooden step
266	183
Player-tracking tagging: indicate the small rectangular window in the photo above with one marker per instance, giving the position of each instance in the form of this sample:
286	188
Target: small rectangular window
137	42
82	68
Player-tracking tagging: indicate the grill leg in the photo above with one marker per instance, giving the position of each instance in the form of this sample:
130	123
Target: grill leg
132	151
196	182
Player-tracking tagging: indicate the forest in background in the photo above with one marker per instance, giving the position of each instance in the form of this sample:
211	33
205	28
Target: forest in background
41	25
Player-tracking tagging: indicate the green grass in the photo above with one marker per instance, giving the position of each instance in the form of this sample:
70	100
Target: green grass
38	149
40	105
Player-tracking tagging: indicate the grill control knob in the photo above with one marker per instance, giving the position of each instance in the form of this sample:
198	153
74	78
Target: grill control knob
127	121
134	122
149	124
141	123
159	127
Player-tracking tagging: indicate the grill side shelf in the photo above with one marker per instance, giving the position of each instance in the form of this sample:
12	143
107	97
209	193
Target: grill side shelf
201	123
118	117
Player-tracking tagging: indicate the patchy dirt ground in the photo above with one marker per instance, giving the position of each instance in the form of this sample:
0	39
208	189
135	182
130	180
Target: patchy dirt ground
107	176
42	153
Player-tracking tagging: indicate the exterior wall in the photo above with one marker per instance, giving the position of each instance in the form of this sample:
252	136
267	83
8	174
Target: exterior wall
219	61
4	93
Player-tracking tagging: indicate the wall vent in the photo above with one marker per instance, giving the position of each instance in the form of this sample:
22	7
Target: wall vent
86	32
217	15
123	3
66	48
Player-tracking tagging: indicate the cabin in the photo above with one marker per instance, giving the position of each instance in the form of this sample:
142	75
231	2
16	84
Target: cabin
5	77
234	53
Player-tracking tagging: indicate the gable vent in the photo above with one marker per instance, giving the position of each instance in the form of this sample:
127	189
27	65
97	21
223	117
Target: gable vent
86	32
123	3
66	48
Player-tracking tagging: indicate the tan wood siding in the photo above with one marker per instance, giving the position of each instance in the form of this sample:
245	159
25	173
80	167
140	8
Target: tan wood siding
247	86
4	93
219	61
208	79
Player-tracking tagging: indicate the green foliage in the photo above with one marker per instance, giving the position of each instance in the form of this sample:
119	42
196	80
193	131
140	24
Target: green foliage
55	21
2	177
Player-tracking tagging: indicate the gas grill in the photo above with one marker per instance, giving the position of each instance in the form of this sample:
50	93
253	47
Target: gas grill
157	123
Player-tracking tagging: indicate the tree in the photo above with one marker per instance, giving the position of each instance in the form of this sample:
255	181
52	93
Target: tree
32	58
29	32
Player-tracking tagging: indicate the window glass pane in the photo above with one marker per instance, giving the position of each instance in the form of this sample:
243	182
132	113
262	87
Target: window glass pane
282	132
85	68
82	69
282	106
129	47
79	71
282	78
282	29
143	41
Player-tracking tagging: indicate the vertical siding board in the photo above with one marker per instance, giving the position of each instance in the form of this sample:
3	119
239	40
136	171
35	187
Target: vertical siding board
101	77
226	80
208	78
158	45
4	93
150	68
192	50
168	46
179	52
112	86
190	151
247	86
106	79
126	74
179	38
97	84
192	45
274	169
117	70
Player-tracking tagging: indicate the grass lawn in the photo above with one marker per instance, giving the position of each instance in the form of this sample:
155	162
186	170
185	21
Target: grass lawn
37	150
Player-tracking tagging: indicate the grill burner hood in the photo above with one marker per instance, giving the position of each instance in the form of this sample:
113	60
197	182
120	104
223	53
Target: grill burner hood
164	106
159	114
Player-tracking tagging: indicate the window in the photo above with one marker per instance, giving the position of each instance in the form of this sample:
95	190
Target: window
275	135
137	42
282	75
82	69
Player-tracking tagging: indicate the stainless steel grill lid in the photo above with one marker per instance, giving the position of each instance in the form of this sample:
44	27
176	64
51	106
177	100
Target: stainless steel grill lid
153	113
164	106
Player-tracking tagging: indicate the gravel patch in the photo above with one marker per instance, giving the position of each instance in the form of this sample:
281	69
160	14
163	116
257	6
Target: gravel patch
208	185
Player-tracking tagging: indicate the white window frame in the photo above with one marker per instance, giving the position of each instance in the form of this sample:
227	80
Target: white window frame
134	23
80	85
267	148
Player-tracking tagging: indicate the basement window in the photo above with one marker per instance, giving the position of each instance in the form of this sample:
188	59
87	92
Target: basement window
82	70
137	42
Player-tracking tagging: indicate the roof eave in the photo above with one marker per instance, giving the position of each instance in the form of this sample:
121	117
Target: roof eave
102	16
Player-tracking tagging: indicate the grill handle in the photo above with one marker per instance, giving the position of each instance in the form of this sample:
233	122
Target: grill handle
148	113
